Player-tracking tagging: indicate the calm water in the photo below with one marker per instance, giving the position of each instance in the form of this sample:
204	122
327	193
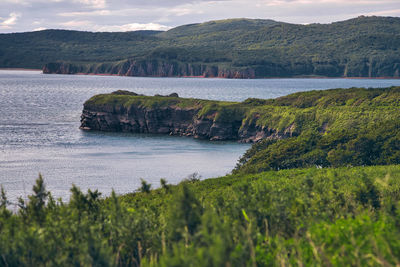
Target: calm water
39	120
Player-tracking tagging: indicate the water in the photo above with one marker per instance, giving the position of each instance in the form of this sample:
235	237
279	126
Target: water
39	120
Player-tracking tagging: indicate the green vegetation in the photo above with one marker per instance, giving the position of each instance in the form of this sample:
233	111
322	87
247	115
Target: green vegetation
360	47
118	101
354	127
332	216
35	49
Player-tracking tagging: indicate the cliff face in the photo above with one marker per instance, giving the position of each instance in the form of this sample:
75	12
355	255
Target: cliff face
175	120
312	113
150	68
174	68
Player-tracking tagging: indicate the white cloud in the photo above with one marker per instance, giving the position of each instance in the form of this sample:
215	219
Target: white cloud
103	12
39	29
88	25
92	3
76	23
17	2
183	11
133	27
11	20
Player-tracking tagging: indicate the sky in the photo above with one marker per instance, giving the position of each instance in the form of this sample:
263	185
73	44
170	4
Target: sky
130	15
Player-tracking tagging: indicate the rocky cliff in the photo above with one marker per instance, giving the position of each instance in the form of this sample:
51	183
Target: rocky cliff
150	68
311	113
212	120
173	68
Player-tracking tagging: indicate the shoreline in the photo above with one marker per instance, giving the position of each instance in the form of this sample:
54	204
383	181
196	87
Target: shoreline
204	77
21	69
260	78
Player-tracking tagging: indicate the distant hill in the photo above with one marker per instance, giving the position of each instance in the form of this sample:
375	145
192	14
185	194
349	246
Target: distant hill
235	48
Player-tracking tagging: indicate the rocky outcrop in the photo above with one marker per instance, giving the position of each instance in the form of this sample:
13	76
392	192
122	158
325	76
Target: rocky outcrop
173	120
311	113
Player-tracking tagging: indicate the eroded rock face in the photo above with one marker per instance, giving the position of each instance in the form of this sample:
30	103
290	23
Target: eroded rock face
174	121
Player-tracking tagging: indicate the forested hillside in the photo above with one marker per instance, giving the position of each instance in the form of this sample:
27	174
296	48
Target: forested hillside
237	48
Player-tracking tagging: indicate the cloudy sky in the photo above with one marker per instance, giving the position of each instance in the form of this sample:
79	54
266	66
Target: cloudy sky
128	15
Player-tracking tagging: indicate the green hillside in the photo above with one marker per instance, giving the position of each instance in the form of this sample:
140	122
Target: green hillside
360	47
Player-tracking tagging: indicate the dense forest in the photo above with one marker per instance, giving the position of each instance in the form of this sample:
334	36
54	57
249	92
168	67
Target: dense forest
299	200
236	48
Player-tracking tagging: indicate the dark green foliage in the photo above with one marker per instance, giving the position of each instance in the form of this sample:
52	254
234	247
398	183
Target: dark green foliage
164	184
184	216
194	177
372	145
145	188
34	49
4	212
359	47
37	201
322	217
333	128
3	200
369	194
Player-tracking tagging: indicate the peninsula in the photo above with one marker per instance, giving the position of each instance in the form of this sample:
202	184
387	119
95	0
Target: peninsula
335	127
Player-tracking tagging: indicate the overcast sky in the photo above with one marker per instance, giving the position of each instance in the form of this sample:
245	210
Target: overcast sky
128	15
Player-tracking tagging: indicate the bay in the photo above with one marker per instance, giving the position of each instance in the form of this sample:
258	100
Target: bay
39	120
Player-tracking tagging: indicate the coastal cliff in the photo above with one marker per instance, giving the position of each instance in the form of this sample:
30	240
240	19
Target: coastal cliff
150	68
174	68
123	111
296	115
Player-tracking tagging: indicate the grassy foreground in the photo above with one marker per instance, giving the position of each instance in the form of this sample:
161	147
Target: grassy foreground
319	217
